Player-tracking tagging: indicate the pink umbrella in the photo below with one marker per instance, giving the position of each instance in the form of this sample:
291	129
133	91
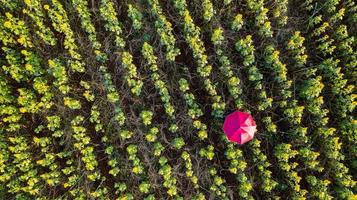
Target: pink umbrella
239	127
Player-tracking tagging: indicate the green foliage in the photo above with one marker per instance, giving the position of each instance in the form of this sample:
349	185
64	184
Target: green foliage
296	46
321	187
267	181
207	152
58	71
217	187
60	23
280	12
95	118
208	11
82	144
72	103
16	26
35	12
189	172
136	17
138	167
178	143
146	116
164	30
246	48
152	135
237	166
132	77
112	96
144	187
169	182
108	13
192	37
54	122
22	167
237	22
82	8
284	154
226	68
160	85
194	110
125	134
261	19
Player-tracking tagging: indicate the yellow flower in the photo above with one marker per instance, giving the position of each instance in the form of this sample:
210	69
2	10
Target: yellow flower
50	182
28	67
7	24
51	62
40	162
22	110
202	134
24	52
46	7
21	40
8	15
172	192
136	170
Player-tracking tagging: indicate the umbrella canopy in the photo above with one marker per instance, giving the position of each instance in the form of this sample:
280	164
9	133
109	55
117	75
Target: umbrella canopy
239	127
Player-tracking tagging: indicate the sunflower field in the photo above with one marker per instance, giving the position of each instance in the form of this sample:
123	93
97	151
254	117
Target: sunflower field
125	99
